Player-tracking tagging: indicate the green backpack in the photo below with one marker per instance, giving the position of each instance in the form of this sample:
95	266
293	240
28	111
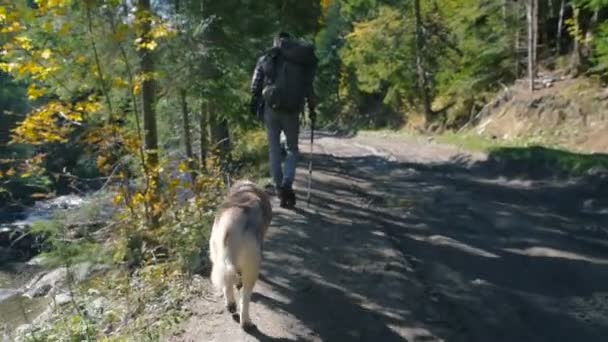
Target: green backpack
291	69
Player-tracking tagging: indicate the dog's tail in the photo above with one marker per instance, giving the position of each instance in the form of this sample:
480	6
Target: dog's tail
230	226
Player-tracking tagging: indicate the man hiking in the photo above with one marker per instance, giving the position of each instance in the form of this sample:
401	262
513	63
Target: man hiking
280	87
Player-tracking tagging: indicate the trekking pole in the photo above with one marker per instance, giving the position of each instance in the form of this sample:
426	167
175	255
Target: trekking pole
312	137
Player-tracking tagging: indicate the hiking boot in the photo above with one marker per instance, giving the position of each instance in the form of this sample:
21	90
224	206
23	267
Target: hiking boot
287	197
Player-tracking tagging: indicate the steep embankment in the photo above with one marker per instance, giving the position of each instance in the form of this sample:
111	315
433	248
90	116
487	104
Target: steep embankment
569	113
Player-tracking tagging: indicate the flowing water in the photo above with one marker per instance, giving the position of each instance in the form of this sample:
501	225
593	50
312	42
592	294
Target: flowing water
15	308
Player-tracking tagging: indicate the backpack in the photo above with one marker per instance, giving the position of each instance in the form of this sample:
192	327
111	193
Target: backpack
291	68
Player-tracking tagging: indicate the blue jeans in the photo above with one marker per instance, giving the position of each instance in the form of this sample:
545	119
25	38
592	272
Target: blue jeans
289	124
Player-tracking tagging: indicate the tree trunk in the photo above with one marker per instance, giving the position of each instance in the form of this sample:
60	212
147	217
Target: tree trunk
422	82
219	133
186	128
576	59
560	26
535	41
532	19
148	104
203	135
220	140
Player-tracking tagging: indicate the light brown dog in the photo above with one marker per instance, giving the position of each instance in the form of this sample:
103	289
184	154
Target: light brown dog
235	245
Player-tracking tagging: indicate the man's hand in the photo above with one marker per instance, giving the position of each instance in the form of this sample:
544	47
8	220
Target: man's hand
312	103
312	115
312	108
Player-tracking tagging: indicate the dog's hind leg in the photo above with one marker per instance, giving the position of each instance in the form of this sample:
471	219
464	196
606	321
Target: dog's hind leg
248	281
229	297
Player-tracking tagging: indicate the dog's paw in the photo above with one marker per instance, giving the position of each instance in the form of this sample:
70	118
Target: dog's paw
231	307
249	327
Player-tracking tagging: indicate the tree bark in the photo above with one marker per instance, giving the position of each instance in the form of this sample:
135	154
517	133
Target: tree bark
532	14
560	26
422	81
148	90
186	128
203	135
577	53
535	42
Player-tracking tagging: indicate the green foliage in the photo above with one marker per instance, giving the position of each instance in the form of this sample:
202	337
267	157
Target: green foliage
64	248
251	152
601	50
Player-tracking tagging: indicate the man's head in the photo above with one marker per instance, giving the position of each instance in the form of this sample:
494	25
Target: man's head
280	37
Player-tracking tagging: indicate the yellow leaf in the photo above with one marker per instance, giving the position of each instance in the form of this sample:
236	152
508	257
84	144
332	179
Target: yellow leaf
46	54
15	26
138	198
183	167
117	199
33	92
101	160
10	172
8	67
24	42
174	183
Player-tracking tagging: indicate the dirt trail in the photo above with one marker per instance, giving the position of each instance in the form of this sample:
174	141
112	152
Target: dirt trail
407	240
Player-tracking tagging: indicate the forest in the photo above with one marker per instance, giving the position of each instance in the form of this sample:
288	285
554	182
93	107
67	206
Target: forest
145	102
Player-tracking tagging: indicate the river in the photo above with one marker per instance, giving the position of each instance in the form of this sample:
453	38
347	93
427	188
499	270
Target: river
15	308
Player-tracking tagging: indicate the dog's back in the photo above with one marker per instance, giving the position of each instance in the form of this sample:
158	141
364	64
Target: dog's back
236	239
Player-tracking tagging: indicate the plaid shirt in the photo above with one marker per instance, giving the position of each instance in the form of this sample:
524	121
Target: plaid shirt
257	81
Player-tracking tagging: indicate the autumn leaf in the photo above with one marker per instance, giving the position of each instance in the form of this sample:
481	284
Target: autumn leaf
10	172
183	167
138	198
46	54
34	92
101	161
117	199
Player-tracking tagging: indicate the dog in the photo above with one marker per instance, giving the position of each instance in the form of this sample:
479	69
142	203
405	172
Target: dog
235	245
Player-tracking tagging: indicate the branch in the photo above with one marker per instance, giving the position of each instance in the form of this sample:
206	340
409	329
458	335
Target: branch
98	63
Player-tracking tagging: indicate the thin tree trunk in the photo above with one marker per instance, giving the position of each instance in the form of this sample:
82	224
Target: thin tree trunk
186	128
148	103
203	135
218	129
220	140
535	42
576	59
422	82
531	13
560	26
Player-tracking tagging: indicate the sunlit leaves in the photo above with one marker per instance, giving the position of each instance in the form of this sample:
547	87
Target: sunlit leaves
49	123
34	92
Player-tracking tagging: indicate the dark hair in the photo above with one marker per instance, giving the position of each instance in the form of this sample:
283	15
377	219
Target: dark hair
283	35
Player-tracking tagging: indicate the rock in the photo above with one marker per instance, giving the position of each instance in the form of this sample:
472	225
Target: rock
53	280
41	291
99	306
93	292
8	293
46	283
63	299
